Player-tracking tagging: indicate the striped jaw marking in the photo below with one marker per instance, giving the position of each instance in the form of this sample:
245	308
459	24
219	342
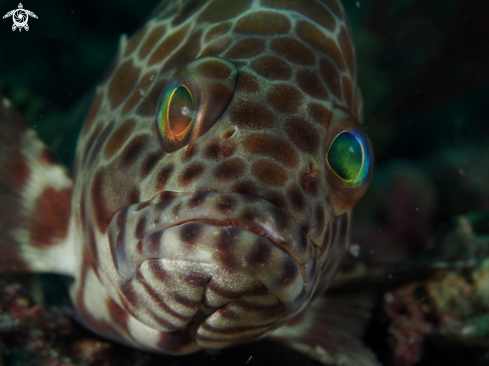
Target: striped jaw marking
213	190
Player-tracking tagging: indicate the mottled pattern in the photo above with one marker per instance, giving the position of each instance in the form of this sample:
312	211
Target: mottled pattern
221	236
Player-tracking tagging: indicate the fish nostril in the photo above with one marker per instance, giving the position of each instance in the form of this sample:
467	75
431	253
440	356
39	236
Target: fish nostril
228	133
310	180
225	149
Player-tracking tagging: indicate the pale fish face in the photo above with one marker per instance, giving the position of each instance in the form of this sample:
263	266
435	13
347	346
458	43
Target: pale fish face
218	166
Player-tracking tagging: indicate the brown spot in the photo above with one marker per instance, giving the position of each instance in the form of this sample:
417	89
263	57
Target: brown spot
229	170
347	48
186	11
334	6
216	31
227	313
260	253
269	173
163	177
293	50
320	114
117	314
189	233
150	41
102	213
252	115
317	39
347	91
311	9
150	163
195	279
226	204
311	84
263	23
217	47
186	53
273	147
245	187
272	67
122	83
51	217
285	98
214	69
302	134
93	113
168	45
220	10
191	173
225	244
135	40
296	199
197	200
289	272
330	77
147	106
246	48
247	83
119	137
133	149
173	342
47	158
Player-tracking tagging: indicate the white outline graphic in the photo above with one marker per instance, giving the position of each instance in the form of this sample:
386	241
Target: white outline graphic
20	17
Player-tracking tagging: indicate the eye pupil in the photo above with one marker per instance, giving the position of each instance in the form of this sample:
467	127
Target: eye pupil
345	156
181	111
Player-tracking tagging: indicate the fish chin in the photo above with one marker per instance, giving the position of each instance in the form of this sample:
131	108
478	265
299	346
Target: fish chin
228	268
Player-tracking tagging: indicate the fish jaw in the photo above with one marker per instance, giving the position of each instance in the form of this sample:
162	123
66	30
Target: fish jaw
248	251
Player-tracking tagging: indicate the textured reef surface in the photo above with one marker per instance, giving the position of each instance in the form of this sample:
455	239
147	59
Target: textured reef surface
425	219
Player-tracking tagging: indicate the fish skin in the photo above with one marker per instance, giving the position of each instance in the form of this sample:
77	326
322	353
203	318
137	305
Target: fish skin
224	238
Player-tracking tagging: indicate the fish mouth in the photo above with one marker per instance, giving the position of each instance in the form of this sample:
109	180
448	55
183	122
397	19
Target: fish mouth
132	224
234	243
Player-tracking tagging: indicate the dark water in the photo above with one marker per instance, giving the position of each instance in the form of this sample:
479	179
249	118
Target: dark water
424	74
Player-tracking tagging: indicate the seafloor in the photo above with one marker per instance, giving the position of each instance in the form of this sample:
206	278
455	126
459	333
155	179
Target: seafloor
424	73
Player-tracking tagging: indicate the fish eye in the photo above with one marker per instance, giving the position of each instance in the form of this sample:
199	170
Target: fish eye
346	158
176	114
349	162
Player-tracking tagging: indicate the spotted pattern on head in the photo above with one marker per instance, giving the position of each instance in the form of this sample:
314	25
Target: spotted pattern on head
219	234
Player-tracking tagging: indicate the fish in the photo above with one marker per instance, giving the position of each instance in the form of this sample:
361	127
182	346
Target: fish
213	184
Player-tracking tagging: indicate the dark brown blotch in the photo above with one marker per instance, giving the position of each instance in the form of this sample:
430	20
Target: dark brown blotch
247	83
189	233
191	173
119	137
216	31
260	253
163	177
195	279
225	245
276	148
168	45
263	23
272	67
220	10
197	200
252	115
229	170
302	134
311	84
102	213
269	173
331	77
285	98
246	48
288	273
226	204
150	162
320	114
293	51
245	187
117	314
133	149
122	83
151	40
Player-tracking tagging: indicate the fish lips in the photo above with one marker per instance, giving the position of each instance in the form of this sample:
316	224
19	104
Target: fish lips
224	229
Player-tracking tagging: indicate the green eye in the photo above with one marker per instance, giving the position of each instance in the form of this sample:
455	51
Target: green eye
176	114
346	157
